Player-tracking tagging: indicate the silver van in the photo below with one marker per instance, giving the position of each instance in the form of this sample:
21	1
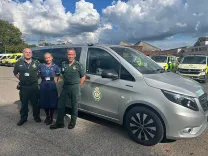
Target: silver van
125	86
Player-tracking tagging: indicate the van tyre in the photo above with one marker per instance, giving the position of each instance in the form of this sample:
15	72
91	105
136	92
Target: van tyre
144	126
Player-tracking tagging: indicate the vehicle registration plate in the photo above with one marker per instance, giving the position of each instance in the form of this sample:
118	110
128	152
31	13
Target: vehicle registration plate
199	92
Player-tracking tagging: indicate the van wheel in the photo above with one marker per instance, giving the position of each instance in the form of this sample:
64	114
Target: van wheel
144	126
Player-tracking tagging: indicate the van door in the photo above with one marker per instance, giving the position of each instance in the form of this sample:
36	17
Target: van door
100	95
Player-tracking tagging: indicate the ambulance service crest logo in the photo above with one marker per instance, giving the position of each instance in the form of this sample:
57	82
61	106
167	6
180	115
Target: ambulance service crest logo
97	94
75	68
34	66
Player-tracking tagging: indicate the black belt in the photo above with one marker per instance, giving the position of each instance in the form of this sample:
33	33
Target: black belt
48	79
27	83
69	84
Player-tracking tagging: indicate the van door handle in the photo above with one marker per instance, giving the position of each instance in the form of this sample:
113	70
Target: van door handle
129	85
87	77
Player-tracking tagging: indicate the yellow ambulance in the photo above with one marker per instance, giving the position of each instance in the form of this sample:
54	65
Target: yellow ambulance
3	61
169	63
12	60
194	66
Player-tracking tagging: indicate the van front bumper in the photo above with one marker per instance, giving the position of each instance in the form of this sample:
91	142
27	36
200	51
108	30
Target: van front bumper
201	77
183	123
187	127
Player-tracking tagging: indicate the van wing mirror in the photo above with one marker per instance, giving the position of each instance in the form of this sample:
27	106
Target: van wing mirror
111	74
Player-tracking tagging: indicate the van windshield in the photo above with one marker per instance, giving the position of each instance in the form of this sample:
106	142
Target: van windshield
18	57
142	63
12	57
3	57
194	60
159	59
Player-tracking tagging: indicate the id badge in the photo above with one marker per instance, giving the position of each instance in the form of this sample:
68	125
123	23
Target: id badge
47	78
27	74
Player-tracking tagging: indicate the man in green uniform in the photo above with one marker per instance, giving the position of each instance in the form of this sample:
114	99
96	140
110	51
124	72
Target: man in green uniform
73	75
26	70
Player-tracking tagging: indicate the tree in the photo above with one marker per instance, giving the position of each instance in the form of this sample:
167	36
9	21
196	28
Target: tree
31	45
10	38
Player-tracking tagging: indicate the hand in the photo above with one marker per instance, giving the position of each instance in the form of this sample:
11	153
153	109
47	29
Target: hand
17	76
18	87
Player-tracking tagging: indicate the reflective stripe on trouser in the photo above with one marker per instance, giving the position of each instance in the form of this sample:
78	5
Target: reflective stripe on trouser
166	66
69	98
169	66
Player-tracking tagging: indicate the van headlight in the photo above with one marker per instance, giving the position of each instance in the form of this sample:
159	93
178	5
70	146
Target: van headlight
203	70
178	69
182	100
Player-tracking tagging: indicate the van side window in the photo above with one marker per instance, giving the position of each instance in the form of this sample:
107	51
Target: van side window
59	55
125	75
99	59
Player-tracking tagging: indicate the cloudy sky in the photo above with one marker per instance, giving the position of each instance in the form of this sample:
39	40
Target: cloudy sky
163	23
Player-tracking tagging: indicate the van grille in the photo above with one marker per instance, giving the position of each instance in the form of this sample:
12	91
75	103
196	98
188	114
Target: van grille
203	102
189	71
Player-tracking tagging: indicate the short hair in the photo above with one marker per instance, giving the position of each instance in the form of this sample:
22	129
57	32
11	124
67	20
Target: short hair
71	49
24	50
47	53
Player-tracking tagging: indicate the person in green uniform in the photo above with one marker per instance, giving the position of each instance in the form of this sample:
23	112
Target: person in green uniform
74	77
26	70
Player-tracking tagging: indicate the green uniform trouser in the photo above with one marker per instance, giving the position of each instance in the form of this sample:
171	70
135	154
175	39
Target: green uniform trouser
29	93
69	96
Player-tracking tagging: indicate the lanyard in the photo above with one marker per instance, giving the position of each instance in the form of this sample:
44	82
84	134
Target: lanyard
27	68
48	70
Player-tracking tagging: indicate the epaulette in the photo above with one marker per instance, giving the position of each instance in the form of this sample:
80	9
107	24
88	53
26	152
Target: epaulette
18	61
36	61
78	63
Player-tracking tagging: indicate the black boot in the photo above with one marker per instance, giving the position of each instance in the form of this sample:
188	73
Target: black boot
71	125
38	119
47	119
21	122
50	121
56	126
47	116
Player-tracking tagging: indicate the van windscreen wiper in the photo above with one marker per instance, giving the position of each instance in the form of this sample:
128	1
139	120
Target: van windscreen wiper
160	70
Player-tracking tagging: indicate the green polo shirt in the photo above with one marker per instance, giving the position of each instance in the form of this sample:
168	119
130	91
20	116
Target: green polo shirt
28	71
73	73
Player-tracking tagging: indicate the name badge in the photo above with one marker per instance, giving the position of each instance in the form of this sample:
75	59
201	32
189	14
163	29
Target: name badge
27	74
47	78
